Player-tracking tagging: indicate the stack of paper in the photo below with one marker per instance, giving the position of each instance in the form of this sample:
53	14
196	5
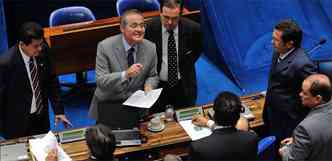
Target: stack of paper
41	147
195	132
143	99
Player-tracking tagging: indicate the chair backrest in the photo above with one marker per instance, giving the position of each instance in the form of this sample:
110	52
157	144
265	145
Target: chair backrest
142	5
68	15
266	148
325	67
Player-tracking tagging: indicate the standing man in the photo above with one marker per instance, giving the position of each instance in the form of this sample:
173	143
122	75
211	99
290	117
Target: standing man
290	66
312	137
125	63
26	84
178	42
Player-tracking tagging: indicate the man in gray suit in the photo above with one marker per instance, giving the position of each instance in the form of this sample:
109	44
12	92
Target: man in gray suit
312	138
125	63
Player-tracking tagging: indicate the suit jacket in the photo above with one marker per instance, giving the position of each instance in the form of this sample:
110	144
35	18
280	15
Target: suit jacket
312	137
189	50
226	144
284	86
111	61
16	93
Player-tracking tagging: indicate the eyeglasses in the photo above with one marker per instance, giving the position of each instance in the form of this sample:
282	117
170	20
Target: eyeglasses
136	25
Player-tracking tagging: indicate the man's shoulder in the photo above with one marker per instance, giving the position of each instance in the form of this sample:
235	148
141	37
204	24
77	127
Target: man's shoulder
8	56
111	39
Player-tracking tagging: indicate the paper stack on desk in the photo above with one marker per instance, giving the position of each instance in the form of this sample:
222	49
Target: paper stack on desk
143	99
40	148
195	132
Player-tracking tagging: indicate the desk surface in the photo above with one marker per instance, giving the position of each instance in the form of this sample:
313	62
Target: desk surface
173	135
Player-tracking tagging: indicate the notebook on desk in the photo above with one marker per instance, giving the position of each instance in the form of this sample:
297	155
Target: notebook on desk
127	137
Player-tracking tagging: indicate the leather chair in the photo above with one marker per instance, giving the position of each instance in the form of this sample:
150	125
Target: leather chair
142	5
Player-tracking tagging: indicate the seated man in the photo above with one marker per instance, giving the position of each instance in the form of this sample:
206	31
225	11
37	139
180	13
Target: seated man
312	138
101	142
226	142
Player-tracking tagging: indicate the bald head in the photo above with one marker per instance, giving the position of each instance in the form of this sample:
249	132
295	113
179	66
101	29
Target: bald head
316	90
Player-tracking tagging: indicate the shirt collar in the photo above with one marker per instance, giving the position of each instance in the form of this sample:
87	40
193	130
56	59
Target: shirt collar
287	53
25	57
126	45
176	30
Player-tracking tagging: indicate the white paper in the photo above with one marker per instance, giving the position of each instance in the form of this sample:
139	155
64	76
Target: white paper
41	147
143	100
195	132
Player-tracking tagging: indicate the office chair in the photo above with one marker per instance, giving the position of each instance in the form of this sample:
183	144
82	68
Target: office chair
142	5
71	15
325	67
266	148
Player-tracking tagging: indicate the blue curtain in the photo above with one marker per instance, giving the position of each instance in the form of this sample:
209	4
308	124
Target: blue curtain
3	33
242	32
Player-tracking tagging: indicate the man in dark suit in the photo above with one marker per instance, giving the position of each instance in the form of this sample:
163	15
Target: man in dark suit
226	142
26	84
178	42
312	137
290	66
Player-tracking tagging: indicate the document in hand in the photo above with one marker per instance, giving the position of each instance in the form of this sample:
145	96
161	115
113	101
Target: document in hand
143	99
40	148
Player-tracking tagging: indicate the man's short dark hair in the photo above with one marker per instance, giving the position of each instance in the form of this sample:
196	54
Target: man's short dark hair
30	31
290	32
123	18
171	4
227	107
322	89
101	142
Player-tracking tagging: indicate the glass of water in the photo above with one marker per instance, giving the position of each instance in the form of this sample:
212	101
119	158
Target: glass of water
169	113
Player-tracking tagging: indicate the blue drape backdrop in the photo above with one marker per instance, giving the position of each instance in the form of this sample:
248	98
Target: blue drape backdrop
238	34
3	32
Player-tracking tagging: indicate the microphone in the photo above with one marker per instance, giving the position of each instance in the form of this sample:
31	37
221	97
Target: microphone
321	42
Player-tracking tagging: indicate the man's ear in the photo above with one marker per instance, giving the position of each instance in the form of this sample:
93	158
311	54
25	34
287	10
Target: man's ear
290	44
319	98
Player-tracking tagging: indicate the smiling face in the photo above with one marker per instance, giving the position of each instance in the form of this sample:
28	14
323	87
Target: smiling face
134	28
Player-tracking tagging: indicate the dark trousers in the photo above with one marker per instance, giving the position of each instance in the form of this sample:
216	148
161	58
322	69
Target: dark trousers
117	116
37	124
171	96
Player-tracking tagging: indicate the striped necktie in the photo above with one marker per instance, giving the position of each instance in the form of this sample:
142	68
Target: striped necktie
36	85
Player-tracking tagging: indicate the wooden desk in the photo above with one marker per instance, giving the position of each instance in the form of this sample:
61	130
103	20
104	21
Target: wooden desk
74	46
173	140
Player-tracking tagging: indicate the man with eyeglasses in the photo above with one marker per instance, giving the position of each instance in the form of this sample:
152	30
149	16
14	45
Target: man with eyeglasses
178	42
125	63
26	84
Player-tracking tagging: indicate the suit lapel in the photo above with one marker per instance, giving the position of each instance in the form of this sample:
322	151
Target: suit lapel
120	54
181	35
22	71
283	65
140	54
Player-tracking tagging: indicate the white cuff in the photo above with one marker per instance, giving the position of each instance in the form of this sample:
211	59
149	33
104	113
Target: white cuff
210	124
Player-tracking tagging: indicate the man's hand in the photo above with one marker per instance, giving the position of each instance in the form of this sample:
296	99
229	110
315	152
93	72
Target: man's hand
147	88
52	155
134	70
200	120
287	141
63	119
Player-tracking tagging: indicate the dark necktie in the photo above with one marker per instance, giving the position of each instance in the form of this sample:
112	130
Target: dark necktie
172	60
36	85
130	57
